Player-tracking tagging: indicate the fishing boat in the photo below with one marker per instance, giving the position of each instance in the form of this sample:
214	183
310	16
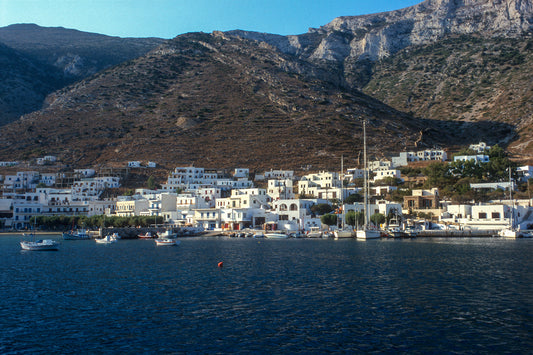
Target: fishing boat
38	245
366	232
166	241
147	235
276	235
108	239
80	234
314	232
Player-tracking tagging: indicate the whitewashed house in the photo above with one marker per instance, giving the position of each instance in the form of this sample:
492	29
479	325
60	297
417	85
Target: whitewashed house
241	173
382	173
482	216
479	158
280	189
525	172
131	207
323	185
481	147
49	179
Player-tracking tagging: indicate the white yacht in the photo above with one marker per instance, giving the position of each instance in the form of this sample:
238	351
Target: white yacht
44	244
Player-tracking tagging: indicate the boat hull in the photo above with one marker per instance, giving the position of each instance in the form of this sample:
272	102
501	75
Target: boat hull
166	241
508	233
276	236
343	234
42	245
368	234
106	240
79	235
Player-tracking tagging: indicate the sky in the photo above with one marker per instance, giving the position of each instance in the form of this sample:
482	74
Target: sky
169	18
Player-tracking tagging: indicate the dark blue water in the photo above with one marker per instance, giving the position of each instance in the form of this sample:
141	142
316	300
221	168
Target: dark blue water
271	296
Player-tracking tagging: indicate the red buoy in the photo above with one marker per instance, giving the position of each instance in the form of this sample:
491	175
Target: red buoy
220	264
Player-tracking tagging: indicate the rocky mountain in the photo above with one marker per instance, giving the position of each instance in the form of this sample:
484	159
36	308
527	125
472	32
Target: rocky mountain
441	73
62	55
217	100
376	36
24	83
459	60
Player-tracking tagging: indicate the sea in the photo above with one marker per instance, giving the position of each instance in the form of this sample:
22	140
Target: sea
292	296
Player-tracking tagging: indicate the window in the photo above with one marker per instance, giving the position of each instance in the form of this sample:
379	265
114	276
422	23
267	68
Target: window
482	215
495	215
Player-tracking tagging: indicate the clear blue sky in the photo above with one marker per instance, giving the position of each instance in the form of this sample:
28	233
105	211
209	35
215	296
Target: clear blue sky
169	18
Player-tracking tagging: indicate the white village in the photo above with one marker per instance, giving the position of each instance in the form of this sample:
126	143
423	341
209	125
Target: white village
217	201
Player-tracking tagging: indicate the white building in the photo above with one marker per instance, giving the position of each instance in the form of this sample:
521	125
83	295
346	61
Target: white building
8	163
294	214
525	172
85	173
483	217
382	173
479	158
280	189
241	173
131	207
245	198
481	147
423	155
276	174
22	180
91	188
49	179
326	185
49	159
379	164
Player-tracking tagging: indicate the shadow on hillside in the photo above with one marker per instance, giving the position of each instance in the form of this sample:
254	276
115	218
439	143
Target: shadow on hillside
458	133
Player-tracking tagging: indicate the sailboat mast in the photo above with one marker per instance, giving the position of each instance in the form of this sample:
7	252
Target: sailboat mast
365	191
341	176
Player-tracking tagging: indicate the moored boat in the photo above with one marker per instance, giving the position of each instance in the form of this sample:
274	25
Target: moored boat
314	232
38	245
80	234
108	239
368	234
343	233
166	241
147	235
276	235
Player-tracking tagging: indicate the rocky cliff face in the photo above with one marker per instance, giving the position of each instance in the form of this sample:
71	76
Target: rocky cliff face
39	60
381	35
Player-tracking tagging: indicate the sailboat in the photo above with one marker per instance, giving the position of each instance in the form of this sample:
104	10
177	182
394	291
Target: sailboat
37	245
344	232
511	231
366	232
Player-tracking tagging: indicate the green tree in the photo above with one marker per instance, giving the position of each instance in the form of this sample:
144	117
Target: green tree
438	174
150	183
355	218
377	219
329	219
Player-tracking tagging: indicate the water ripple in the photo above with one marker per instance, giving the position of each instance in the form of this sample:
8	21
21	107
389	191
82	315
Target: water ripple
290	296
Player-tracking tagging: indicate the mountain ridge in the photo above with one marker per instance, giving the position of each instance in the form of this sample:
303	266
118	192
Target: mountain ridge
64	55
239	98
